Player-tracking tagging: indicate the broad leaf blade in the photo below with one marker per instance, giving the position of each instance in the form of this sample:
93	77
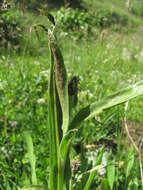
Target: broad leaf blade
61	80
113	100
53	119
53	129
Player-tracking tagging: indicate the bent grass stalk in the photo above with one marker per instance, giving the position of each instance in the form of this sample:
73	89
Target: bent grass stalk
138	149
61	133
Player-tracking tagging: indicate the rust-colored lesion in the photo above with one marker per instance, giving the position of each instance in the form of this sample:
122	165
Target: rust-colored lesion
59	71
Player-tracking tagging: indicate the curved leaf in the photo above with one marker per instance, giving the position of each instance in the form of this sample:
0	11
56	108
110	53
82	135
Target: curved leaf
65	143
113	100
48	15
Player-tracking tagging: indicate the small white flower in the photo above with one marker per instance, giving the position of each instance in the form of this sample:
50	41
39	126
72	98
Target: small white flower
13	124
104	163
36	62
102	171
104	159
45	73
41	101
5	151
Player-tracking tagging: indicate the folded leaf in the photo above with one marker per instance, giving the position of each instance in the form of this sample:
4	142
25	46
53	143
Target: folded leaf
65	143
53	130
61	80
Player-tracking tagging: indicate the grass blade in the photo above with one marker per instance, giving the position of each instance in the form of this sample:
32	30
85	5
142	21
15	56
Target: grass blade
129	166
90	174
33	187
29	144
129	161
93	172
90	180
111	174
105	185
113	100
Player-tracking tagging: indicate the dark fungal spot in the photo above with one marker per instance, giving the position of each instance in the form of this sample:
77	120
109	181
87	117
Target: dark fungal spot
73	86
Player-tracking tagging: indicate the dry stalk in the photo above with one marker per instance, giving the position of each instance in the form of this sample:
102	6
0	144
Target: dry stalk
128	4
133	143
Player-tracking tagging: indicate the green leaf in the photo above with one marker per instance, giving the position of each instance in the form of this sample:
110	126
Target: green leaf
53	117
64	151
105	185
65	143
129	161
61	80
33	187
90	174
90	180
29	145
99	156
48	15
113	100
111	174
53	130
93	172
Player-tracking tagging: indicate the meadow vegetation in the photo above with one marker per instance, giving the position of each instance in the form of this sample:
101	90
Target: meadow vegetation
101	43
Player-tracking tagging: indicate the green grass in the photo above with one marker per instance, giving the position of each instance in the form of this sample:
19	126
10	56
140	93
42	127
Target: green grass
118	7
103	69
104	62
